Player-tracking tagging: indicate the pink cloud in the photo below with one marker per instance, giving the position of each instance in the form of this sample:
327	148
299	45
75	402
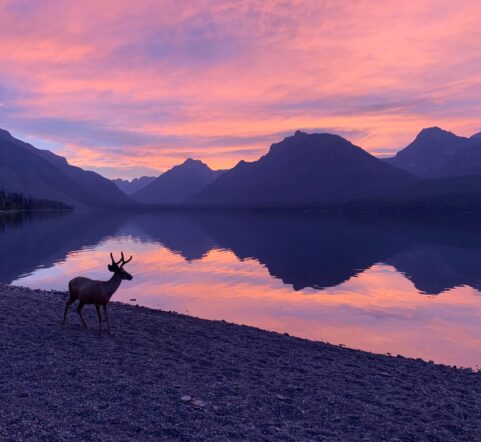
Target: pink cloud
115	83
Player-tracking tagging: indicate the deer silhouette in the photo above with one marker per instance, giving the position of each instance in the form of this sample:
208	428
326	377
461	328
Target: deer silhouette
88	291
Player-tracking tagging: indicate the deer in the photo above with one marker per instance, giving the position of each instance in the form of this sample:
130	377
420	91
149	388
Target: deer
89	291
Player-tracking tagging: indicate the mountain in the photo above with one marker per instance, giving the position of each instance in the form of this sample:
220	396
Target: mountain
178	183
41	174
130	187
303	169
436	153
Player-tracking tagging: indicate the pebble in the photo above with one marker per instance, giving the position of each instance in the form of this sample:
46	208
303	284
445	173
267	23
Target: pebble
186	398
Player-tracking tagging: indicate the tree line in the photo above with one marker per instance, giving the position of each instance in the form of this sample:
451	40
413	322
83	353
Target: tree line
17	201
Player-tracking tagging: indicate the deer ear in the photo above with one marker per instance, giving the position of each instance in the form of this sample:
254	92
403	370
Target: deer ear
111	268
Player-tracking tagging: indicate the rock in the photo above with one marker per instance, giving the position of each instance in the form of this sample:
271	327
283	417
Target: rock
186	398
198	403
280	397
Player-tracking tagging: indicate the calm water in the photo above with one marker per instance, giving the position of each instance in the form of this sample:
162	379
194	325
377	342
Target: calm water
387	285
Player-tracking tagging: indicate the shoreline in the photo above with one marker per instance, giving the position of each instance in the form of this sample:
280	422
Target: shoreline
242	383
93	325
331	211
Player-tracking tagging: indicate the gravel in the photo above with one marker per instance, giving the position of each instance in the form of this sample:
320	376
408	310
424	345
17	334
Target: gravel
165	376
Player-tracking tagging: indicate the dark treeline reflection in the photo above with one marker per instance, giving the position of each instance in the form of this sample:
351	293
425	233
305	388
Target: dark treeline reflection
305	250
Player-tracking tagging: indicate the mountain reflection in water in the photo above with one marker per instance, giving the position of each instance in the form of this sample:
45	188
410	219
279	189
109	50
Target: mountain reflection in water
356	280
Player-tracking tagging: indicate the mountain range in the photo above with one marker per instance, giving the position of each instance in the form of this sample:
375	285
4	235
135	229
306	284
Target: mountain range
437	170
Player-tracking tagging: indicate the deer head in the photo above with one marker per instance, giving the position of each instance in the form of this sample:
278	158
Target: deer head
118	267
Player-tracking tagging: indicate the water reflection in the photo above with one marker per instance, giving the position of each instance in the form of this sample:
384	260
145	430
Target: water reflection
358	280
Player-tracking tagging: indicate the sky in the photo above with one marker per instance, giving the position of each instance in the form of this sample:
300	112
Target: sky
131	88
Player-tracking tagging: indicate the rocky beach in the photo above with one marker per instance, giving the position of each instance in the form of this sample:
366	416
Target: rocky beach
166	376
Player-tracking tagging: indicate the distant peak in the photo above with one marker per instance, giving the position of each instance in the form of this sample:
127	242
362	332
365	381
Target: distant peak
431	132
190	163
303	143
433	129
299	133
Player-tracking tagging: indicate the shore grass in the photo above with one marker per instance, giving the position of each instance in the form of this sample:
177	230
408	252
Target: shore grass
166	376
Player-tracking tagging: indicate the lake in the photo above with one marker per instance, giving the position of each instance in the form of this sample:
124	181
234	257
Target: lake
385	284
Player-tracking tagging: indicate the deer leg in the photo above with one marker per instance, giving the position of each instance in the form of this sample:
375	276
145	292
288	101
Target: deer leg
97	307
67	305
107	319
79	311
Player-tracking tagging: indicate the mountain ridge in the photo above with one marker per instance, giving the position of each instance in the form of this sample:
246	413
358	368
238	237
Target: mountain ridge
129	187
302	170
437	153
43	174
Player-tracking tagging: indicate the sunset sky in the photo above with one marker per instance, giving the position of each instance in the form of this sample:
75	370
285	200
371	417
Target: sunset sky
129	88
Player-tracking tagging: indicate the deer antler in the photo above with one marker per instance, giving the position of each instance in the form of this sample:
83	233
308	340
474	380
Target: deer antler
113	260
123	259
